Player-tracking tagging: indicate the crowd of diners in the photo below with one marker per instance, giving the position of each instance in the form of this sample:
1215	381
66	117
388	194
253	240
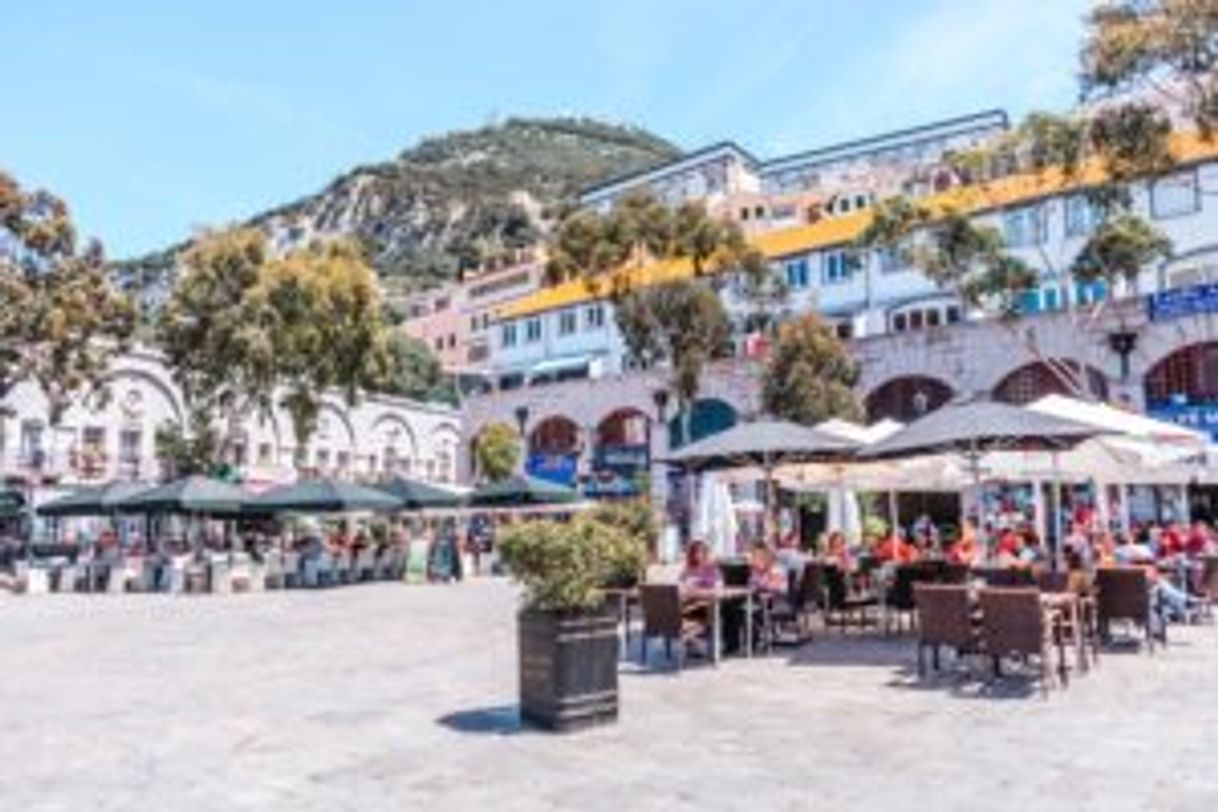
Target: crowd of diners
338	553
1171	554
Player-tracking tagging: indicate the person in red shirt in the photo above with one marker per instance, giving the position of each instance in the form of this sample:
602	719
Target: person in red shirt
1198	541
1171	542
896	549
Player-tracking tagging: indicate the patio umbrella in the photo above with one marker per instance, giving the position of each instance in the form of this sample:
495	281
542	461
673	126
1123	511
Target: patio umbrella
12	503
323	496
93	500
415	495
519	491
765	444
974	428
192	495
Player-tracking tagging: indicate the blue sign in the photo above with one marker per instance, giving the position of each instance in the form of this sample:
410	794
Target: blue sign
1201	417
1175	304
559	468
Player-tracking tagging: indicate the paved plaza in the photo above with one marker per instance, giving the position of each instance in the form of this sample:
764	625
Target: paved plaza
401	697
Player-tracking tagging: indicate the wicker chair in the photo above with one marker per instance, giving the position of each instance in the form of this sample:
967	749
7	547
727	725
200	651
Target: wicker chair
666	616
1052	581
900	598
944	619
1014	624
1123	594
1208	587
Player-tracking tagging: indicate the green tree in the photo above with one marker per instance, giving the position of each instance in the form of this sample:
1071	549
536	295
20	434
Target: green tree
183	453
61	321
680	323
1165	50
497	451
809	375
415	371
243	328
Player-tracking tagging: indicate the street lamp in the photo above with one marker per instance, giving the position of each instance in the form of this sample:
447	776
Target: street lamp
660	398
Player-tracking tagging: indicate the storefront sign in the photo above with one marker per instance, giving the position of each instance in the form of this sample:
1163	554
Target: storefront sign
1202	417
559	468
1175	304
623	457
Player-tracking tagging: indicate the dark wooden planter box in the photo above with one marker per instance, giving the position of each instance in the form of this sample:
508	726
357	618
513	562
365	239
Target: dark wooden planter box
568	669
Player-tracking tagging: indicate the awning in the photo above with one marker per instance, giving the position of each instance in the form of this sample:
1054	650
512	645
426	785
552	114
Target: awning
564	364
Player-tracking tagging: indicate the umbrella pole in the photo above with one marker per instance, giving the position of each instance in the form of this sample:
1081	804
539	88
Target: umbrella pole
1057	513
894	516
770	531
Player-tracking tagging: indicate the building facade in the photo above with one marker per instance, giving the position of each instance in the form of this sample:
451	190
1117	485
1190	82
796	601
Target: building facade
110	434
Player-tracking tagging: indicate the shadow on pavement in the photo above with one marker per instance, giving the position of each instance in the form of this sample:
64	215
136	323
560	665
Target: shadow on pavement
503	720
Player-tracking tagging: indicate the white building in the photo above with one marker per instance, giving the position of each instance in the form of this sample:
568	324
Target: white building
110	434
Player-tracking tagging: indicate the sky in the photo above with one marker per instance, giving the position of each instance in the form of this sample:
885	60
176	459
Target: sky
155	118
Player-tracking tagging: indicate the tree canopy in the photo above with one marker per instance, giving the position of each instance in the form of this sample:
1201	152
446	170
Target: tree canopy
61	320
243	328
809	376
415	371
497	451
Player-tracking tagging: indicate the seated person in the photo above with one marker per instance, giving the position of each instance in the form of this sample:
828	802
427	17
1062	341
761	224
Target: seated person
965	551
894	549
1199	541
700	570
837	553
765	573
1009	548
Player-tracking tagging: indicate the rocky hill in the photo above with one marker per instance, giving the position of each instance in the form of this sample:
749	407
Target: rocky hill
452	200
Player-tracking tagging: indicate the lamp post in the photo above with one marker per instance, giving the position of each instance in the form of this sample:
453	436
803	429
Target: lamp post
522	421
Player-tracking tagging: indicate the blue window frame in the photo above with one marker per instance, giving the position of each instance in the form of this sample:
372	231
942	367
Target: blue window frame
797	273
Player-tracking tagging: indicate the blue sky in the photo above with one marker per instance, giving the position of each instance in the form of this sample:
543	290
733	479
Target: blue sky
153	118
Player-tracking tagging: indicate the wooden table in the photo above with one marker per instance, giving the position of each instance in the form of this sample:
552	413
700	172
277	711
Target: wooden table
715	598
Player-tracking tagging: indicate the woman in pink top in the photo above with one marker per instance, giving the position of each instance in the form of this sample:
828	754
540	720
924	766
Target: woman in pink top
700	571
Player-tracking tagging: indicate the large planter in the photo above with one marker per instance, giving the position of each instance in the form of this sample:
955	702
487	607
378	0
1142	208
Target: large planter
568	669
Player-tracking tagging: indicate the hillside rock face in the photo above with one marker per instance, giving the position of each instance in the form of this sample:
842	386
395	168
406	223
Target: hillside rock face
451	201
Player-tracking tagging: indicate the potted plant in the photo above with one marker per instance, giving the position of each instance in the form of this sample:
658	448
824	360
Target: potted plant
567	635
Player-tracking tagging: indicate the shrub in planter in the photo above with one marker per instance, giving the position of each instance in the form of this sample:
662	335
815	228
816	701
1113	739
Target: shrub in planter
568	638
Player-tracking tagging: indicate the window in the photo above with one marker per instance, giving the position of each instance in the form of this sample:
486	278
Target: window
838	266
31	442
915	319
323	457
844	330
507	334
744	213
759	212
953	314
1028	302
264	454
1175	195
594	317
900	323
797	273
532	329
566	322
1081	216
473	324
1026	226
1052	299
933	318
343	460
1089	293
439	342
892	260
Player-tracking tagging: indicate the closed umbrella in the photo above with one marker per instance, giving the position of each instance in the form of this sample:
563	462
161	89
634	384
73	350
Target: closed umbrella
324	496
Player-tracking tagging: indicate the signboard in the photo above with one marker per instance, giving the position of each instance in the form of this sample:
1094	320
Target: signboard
1181	302
558	468
1201	417
623	458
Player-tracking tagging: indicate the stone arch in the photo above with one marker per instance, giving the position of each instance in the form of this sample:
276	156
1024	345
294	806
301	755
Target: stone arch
155	382
445	443
907	398
613	428
387	430
555	444
1188	375
1034	380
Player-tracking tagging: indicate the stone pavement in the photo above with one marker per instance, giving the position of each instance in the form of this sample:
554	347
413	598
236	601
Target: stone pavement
402	697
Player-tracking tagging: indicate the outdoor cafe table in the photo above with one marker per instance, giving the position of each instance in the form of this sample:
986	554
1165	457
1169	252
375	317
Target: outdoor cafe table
715	599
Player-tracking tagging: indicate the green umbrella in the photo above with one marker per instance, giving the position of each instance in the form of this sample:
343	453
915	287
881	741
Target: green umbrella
415	495
189	495
12	503
521	491
323	496
93	500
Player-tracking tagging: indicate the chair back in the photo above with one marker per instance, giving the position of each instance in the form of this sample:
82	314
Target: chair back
901	593
1209	577
943	614
1012	621
1053	581
951	572
812	585
836	590
661	610
735	573
1122	593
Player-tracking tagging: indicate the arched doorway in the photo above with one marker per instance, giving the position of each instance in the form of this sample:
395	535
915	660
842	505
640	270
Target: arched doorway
907	398
1034	381
1183	387
554	447
622	454
707	417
